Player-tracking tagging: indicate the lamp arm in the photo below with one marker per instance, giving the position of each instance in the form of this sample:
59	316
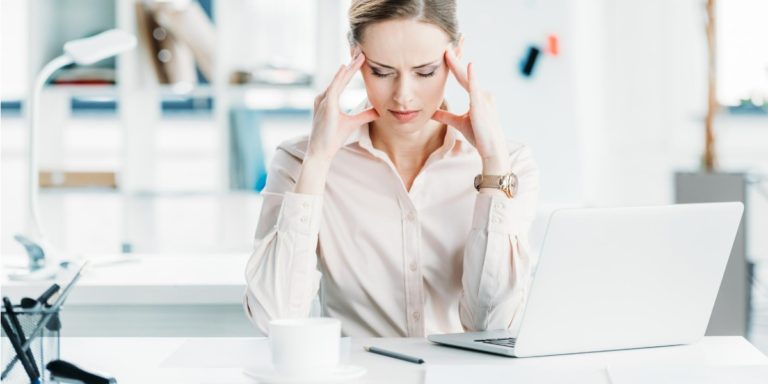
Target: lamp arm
34	118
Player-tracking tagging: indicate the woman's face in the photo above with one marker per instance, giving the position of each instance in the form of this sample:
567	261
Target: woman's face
404	72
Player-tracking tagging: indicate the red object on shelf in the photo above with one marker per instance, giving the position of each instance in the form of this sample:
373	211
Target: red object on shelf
552	45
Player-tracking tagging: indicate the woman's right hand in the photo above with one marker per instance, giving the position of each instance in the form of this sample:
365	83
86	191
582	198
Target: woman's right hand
330	126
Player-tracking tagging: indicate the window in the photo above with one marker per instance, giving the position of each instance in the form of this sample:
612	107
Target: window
742	52
13	61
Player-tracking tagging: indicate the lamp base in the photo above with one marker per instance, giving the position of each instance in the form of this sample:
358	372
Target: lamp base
45	263
45	273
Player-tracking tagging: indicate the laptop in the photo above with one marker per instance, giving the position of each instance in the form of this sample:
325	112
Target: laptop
619	278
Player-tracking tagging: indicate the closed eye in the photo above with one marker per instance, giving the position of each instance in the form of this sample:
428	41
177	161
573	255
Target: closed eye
379	74
432	70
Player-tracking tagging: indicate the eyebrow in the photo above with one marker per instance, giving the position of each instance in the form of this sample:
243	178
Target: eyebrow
416	67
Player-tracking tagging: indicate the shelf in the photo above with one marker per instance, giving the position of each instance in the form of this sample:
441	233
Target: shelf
89	89
248	35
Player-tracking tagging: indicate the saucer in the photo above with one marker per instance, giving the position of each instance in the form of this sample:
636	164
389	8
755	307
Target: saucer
341	373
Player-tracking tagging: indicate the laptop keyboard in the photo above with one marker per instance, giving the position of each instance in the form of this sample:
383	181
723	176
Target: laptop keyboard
508	342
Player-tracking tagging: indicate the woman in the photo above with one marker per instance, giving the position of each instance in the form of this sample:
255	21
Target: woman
378	211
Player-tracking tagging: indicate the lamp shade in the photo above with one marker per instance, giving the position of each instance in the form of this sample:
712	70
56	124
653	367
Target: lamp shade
99	47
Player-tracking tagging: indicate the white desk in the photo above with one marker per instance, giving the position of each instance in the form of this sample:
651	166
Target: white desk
151	280
222	360
152	296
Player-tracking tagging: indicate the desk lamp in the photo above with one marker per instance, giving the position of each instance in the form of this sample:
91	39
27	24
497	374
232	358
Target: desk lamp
82	51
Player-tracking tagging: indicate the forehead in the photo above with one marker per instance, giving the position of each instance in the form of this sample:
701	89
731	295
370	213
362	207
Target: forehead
404	43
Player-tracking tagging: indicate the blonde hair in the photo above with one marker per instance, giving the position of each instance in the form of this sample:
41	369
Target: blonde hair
441	13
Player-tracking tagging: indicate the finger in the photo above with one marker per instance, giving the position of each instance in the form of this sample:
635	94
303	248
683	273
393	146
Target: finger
356	51
472	81
319	98
353	67
365	117
455	67
445	117
456	121
338	85
335	80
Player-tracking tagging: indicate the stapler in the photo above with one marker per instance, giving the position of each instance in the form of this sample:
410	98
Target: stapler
66	372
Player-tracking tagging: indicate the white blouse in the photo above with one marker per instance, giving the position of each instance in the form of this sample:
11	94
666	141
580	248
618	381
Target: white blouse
386	261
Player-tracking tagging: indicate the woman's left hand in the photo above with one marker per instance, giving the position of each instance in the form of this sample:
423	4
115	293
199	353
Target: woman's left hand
480	125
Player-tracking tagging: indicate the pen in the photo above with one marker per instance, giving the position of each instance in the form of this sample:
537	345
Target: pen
19	332
395	355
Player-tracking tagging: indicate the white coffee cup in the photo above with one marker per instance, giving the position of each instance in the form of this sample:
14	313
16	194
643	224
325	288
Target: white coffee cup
307	347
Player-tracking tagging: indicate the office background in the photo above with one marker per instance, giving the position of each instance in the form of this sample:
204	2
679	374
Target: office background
175	169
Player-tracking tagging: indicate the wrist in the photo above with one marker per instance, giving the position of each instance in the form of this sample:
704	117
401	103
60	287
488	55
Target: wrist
317	163
312	176
496	162
496	166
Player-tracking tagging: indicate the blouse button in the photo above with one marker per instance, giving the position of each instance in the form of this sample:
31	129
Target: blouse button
499	206
305	205
496	220
413	266
416	315
411	216
304	219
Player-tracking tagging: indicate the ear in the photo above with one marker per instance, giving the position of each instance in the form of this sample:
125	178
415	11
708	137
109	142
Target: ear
458	48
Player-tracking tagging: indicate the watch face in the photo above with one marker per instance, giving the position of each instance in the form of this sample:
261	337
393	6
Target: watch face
509	184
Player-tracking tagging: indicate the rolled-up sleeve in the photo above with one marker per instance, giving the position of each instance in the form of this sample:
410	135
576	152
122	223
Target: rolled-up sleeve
498	264
281	275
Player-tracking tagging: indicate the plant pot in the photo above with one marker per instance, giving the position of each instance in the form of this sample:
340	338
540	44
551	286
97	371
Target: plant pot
731	312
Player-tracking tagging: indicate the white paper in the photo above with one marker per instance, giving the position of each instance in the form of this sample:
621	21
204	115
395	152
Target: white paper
512	374
684	374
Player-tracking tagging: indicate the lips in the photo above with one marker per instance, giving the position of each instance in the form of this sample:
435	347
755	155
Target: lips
404	116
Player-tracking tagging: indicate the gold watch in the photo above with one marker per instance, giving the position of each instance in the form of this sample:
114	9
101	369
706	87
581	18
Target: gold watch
507	183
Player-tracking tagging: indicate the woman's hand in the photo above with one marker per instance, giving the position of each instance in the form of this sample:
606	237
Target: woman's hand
330	126
480	125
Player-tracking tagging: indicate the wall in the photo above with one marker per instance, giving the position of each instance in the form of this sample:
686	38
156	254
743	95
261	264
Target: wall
537	110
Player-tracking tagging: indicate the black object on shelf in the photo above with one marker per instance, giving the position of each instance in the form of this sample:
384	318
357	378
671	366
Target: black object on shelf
529	62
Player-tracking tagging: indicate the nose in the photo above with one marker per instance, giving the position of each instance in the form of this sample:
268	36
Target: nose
404	92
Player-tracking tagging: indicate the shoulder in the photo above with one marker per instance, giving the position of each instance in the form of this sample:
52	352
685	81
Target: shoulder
287	160
295	148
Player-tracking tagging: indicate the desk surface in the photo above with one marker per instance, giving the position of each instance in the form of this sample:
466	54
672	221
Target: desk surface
222	360
150	279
